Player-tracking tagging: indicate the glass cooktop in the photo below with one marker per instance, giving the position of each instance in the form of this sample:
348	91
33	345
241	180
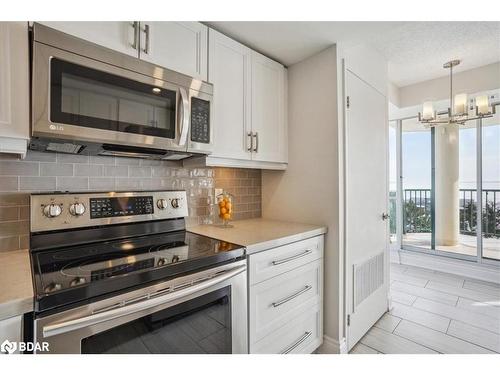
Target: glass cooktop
77	273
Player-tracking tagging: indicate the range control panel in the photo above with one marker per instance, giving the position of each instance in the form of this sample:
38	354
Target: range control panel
58	211
121	206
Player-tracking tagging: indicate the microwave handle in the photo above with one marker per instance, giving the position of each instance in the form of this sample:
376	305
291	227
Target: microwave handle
183	116
120	311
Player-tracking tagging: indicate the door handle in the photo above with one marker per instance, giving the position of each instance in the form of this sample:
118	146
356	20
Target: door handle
301	339
183	116
249	146
385	216
146	33
289	298
256	136
135	26
290	258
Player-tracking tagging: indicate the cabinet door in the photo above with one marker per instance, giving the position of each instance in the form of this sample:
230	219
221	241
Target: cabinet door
14	87
11	329
179	46
268	110
116	35
229	71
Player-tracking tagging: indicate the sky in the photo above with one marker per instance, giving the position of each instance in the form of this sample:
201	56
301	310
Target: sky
417	158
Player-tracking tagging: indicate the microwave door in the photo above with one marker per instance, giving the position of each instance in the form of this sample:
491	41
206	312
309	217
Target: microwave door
95	102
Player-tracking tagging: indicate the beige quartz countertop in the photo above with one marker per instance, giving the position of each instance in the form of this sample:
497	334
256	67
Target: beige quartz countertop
16	293
260	234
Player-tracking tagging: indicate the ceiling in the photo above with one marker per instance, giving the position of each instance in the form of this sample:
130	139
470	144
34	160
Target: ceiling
415	51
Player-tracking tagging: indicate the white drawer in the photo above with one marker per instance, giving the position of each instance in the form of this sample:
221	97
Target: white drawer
270	263
301	335
276	301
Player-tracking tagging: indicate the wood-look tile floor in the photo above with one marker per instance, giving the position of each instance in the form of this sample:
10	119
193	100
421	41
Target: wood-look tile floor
436	312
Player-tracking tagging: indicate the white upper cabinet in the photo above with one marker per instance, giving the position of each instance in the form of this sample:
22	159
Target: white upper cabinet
179	46
116	35
249	106
268	110
229	71
14	87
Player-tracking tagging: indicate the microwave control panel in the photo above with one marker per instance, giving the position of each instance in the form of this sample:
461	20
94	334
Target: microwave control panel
200	120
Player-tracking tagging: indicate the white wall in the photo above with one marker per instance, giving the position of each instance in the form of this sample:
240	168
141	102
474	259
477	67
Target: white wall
470	81
308	191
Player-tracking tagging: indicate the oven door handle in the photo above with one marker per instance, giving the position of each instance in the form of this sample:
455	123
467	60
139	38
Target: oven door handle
86	321
183	116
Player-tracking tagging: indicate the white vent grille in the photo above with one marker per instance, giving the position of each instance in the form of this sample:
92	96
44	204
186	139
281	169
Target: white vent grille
368	277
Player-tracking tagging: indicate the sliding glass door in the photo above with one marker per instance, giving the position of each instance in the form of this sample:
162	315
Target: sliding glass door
448	191
490	186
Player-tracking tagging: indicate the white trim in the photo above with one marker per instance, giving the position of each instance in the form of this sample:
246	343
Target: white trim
332	346
211	161
13	146
484	272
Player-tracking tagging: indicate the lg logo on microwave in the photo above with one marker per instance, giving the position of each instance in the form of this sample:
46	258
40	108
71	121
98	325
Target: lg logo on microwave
56	127
9	347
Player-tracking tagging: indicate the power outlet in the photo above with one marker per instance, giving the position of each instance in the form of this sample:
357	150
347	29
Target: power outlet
218	191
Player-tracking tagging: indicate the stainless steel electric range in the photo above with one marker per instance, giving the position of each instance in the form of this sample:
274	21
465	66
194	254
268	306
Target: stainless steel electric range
117	272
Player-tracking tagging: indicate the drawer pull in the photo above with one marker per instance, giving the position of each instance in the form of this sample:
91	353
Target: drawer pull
302	338
293	257
289	298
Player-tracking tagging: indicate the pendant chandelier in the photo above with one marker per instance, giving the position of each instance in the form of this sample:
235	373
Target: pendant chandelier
459	110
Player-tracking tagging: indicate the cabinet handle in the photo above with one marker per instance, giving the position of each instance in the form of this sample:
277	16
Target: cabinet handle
135	26
289	259
256	136
301	339
289	298
249	136
146	32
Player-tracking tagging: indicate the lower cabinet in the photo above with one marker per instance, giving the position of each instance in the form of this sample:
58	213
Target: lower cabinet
286	298
11	331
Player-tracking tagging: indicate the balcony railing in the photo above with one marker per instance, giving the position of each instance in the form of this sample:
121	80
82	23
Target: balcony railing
417	205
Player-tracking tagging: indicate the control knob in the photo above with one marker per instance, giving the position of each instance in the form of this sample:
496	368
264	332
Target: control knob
162	204
52	287
175	203
77	281
162	262
77	209
52	210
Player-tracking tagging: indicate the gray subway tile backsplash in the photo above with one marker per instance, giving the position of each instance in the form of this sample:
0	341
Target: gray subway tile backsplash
56	169
37	183
90	170
46	172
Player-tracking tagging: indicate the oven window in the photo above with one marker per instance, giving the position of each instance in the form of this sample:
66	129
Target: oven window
91	98
201	325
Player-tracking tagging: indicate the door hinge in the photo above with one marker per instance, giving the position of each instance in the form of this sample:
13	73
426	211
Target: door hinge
348	104
348	320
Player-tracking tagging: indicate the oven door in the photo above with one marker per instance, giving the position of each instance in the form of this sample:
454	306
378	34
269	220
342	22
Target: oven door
84	100
204	312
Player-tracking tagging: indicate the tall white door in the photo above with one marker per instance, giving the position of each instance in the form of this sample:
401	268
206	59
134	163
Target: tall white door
366	238
229	71
268	110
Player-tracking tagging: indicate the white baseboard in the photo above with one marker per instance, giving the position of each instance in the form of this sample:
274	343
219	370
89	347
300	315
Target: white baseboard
332	346
484	272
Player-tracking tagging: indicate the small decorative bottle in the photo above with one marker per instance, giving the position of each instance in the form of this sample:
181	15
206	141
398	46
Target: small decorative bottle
225	203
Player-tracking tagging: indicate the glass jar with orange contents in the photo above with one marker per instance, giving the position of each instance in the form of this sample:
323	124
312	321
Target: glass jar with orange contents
225	206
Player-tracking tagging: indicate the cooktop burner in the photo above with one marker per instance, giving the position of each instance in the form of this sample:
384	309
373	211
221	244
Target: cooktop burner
67	275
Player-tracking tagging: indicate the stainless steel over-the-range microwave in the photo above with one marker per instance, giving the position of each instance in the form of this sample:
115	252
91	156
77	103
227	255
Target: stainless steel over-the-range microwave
87	98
